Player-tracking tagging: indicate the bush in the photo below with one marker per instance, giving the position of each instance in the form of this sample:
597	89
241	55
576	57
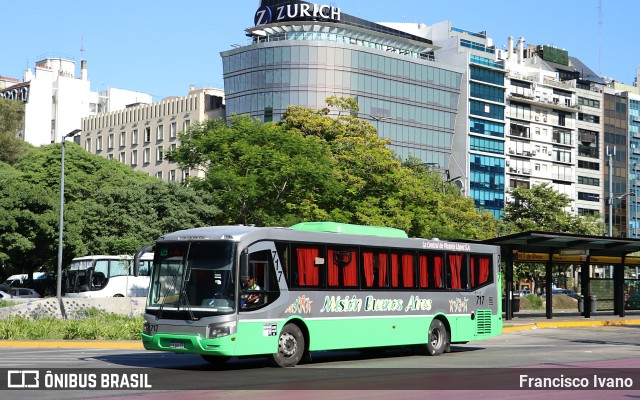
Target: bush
530	302
85	324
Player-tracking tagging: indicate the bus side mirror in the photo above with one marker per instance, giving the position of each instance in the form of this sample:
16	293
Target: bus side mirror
244	260
136	258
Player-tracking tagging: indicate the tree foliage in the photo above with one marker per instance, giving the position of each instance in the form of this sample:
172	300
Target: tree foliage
541	208
109	208
310	166
11	120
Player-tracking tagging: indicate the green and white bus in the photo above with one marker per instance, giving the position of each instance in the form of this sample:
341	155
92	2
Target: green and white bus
317	286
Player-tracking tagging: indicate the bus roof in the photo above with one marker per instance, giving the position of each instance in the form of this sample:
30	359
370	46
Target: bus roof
350	229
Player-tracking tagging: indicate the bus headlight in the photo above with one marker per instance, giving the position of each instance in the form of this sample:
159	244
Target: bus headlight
221	329
145	328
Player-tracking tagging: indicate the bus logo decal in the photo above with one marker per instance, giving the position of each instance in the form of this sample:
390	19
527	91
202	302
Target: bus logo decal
302	305
458	305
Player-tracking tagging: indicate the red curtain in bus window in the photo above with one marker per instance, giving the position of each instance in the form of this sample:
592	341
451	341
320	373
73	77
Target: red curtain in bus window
407	270
472	266
437	271
382	270
307	270
394	270
350	270
484	269
367	259
332	278
455	262
424	281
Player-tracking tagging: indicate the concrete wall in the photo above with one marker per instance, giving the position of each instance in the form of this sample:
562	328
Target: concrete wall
49	307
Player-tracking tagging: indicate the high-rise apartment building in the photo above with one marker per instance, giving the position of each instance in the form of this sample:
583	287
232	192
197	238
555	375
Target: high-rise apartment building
634	164
56	99
479	143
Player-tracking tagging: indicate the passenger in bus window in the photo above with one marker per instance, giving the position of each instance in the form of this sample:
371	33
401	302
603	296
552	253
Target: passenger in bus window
250	298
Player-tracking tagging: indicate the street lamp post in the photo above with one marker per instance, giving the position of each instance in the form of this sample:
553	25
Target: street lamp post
60	225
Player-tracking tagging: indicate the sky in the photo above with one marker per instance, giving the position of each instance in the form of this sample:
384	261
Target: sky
163	47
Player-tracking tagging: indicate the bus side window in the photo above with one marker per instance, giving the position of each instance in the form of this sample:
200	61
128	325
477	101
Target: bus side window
457	271
262	270
375	271
402	270
342	267
306	266
480	270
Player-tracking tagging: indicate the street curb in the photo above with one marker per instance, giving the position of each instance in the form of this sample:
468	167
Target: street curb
134	345
569	324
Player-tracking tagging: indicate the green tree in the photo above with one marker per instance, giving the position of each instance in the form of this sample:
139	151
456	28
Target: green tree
109	208
11	121
258	173
541	208
310	166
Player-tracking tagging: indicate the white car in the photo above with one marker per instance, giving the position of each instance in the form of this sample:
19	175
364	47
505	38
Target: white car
24	293
5	295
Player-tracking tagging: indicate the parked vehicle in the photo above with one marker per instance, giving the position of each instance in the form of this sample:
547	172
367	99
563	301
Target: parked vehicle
24	293
632	302
566	292
20	279
4	295
108	276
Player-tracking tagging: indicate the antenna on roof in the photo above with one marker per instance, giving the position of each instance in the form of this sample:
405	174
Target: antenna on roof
599	36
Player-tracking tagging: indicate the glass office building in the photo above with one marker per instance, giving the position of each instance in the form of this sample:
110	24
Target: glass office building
301	53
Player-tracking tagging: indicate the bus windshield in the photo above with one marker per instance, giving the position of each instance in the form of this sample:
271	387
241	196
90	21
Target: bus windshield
193	276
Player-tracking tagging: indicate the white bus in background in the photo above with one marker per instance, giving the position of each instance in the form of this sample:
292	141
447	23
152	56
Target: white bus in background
108	276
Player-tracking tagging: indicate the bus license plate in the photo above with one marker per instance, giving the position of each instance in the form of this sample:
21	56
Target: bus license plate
177	345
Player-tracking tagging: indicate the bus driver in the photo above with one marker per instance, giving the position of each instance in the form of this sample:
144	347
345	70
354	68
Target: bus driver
250	298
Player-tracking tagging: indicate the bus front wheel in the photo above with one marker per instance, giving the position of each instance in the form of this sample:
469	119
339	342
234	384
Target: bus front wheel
438	340
290	347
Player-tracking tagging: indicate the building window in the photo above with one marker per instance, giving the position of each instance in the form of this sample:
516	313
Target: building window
172	175
122	157
110	157
186	124
159	153
99	143
134	157
160	132
147	134
110	141
159	174
134	137
123	139
172	130
588	102
146	155
87	145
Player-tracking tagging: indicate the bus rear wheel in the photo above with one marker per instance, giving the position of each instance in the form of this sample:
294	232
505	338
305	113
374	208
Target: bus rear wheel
290	347
438	339
215	360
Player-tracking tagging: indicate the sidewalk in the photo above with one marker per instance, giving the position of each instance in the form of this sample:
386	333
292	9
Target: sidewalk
537	319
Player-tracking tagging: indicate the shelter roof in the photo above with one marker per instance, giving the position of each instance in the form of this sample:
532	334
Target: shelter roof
556	243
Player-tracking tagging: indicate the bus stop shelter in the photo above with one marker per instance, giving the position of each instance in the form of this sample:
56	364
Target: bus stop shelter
553	248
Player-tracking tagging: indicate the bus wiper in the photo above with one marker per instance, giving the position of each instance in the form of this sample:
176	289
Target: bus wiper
183	293
172	286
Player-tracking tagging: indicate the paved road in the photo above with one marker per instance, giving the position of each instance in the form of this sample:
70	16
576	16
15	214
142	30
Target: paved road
479	365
